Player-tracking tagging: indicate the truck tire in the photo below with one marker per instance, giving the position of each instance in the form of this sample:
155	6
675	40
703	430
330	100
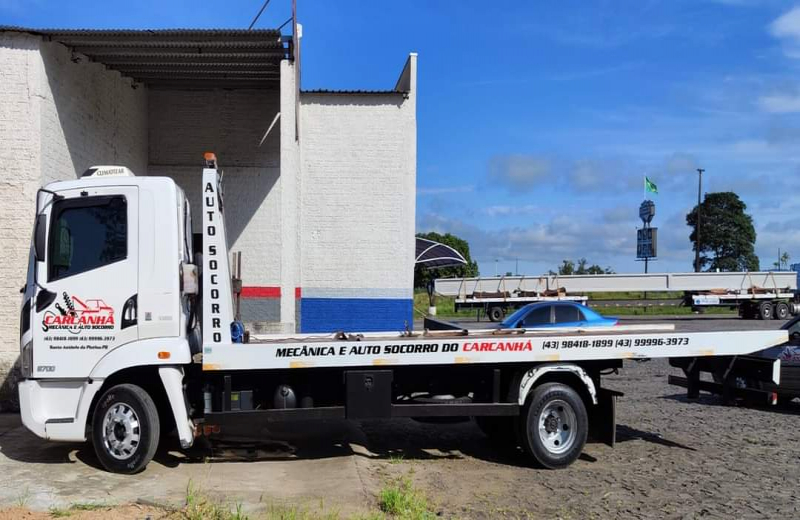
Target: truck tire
781	311
554	425
495	313
765	311
125	429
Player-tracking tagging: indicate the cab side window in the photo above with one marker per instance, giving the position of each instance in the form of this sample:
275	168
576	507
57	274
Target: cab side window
85	234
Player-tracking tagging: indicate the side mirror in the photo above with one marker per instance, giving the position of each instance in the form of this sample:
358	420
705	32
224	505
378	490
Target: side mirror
40	238
44	299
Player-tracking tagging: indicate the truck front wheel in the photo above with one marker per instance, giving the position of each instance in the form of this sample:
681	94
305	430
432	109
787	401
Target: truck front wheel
554	425
125	429
765	311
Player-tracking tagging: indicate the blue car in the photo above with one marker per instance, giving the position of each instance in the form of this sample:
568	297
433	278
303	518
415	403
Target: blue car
555	314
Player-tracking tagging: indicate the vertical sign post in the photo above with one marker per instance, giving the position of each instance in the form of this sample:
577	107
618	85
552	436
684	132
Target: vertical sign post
646	237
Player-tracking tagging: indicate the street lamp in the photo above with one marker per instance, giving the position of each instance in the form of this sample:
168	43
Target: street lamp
697	230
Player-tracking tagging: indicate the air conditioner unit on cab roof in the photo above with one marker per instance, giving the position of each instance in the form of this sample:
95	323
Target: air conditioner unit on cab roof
107	171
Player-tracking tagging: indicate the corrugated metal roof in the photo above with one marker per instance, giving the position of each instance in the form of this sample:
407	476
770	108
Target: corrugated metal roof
353	92
180	58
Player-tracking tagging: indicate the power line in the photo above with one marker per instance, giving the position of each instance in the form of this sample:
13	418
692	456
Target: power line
285	23
258	15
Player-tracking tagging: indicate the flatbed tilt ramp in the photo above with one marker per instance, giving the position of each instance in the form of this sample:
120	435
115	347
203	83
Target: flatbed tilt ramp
477	347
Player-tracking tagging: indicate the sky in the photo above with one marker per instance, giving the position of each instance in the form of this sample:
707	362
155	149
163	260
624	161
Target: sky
537	121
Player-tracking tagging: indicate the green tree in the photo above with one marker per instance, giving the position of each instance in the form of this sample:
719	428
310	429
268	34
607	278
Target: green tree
569	267
727	235
422	276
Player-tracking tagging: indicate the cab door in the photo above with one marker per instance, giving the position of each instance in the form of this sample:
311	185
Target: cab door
86	300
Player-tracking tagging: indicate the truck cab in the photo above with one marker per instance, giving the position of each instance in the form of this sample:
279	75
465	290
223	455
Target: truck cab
104	294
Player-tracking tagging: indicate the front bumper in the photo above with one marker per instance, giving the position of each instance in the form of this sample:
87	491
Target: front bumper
56	410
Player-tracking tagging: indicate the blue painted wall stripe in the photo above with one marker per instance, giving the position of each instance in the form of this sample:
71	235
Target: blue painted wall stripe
355	314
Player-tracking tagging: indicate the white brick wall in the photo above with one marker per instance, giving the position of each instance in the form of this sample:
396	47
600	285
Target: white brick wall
20	159
358	168
90	116
185	124
56	119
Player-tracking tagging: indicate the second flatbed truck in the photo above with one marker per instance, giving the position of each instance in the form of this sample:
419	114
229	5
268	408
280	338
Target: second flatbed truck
756	295
167	352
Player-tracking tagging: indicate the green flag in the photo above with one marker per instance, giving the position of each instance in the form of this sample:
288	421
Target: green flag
650	186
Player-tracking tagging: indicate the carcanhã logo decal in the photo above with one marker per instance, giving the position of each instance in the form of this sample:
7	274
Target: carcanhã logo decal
77	315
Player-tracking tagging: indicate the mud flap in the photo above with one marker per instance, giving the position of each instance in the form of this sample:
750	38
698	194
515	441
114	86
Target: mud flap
603	419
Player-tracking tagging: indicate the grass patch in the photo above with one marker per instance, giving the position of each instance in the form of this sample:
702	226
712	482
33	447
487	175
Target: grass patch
401	500
87	506
201	507
445	306
23	498
293	512
397	500
656	310
79	507
396	458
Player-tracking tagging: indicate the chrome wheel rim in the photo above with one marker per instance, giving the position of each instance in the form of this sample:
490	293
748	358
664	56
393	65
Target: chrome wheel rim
121	431
557	426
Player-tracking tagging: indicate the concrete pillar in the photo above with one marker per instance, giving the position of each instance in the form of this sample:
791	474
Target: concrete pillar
290	200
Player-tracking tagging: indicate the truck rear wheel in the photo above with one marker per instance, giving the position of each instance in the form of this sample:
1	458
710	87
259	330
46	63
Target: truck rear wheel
781	311
554	425
495	313
125	429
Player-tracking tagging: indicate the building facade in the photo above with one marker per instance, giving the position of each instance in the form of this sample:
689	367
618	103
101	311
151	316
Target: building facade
319	185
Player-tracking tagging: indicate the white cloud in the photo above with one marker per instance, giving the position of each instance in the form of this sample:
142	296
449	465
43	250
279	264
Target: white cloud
519	172
467	188
509	210
787	28
780	103
787	25
543	244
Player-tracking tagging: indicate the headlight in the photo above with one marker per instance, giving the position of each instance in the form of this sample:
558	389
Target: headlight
26	360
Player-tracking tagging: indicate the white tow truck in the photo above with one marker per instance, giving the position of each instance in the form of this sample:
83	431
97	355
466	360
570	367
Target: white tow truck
128	330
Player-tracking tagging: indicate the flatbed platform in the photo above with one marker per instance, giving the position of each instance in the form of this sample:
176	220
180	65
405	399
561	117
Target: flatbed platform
477	347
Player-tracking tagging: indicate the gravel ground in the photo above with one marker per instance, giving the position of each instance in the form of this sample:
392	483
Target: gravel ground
674	458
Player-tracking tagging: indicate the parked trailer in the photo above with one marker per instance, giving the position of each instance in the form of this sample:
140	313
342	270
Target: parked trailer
168	352
770	377
762	295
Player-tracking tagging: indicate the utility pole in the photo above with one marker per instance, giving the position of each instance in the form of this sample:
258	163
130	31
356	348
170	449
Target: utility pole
495	267
516	269
697	231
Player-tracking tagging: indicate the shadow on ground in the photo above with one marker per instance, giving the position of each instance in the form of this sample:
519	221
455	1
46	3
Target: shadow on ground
376	440
789	408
